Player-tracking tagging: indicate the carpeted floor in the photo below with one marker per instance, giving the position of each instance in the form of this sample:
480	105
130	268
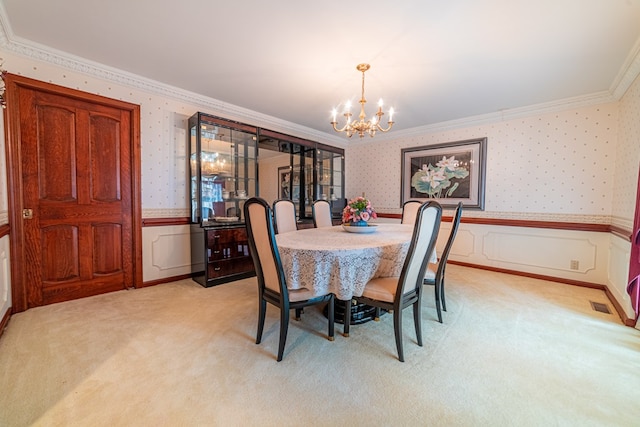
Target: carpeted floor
512	351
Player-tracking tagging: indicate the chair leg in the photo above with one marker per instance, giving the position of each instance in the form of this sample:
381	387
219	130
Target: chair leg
444	305
262	311
397	328
284	328
437	298
417	320
347	317
376	316
331	317
298	312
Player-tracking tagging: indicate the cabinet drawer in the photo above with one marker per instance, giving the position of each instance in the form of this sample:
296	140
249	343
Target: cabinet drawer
228	251
229	267
224	236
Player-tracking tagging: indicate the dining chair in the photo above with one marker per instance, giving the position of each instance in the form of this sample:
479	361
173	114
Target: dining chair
409	211
272	286
398	293
321	212
284	212
436	278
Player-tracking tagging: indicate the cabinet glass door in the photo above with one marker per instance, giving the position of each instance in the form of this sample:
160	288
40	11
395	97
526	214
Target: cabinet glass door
330	170
303	189
223	169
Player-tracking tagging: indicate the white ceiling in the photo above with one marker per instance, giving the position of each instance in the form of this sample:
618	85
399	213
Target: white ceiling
433	60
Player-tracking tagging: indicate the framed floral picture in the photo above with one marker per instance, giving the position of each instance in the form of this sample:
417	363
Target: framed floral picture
448	173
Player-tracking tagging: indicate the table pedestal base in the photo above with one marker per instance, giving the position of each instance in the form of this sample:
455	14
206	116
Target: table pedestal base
360	313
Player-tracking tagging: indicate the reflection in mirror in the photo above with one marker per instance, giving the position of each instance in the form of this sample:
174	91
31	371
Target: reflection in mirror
273	158
300	172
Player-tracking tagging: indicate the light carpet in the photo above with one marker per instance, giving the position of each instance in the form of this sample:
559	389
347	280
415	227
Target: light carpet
511	351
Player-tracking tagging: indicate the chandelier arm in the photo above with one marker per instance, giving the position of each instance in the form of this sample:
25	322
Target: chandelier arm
346	126
343	129
380	128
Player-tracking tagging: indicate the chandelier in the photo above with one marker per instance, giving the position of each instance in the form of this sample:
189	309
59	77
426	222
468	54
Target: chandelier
362	127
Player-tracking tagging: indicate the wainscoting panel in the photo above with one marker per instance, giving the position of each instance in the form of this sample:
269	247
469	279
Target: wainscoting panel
166	252
5	277
584	256
619	255
463	245
573	255
558	253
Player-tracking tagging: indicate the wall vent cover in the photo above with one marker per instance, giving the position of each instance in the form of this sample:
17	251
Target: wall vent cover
598	306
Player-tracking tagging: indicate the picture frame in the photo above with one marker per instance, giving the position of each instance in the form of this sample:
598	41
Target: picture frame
448	173
285	189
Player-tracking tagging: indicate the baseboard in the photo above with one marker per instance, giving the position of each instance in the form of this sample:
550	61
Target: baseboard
621	313
165	280
5	321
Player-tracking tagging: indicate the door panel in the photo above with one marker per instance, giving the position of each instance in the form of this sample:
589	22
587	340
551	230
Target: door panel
105	158
79	174
107	249
55	151
60	259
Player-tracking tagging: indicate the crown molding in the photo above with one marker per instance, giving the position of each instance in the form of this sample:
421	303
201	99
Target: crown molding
32	50
26	48
506	114
627	74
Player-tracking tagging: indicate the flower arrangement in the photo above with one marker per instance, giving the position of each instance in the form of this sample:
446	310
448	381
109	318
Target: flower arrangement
437	181
358	210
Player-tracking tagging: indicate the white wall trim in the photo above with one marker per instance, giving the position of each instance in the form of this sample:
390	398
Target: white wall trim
165	213
39	52
29	49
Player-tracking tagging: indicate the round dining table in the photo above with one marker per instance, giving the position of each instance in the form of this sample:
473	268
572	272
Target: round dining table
331	259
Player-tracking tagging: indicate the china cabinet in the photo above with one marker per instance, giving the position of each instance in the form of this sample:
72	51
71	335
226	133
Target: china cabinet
230	162
223	170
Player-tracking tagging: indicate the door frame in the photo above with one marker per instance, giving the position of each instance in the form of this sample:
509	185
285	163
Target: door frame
14	177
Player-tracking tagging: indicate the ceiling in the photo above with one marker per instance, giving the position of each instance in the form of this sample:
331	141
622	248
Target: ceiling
434	61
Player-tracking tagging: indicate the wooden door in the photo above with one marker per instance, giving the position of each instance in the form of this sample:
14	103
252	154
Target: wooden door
74	162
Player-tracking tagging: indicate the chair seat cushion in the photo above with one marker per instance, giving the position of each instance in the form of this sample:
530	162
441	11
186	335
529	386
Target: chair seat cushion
381	289
301	294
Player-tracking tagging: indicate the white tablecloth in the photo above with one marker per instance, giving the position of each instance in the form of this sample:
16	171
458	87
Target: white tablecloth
333	260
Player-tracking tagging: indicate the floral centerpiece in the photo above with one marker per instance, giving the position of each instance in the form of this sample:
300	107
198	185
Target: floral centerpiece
358	212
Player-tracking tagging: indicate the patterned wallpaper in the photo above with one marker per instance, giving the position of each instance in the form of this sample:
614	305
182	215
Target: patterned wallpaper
4	203
559	166
628	158
163	132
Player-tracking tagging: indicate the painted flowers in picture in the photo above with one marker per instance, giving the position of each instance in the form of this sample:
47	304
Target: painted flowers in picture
442	179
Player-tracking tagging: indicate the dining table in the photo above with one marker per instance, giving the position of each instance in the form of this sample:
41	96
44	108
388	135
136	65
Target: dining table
339	261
